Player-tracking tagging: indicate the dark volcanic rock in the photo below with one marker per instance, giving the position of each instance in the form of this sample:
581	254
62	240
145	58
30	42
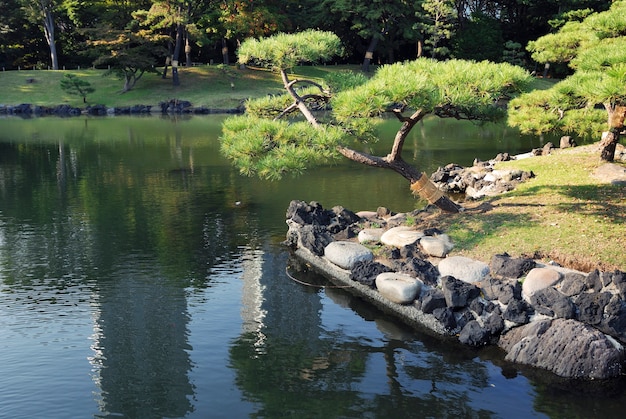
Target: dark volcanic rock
566	347
517	312
312	237
366	272
458	293
494	324
504	291
591	307
573	284
593	281
550	302
445	315
508	267
302	213
421	269
433	299
474	334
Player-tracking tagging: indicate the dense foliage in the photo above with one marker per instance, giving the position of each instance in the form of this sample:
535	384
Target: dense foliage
593	98
53	33
270	142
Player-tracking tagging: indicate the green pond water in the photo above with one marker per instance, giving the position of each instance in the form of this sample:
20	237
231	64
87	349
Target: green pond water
141	276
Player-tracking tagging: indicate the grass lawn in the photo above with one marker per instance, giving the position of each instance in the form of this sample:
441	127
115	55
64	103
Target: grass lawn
210	86
564	214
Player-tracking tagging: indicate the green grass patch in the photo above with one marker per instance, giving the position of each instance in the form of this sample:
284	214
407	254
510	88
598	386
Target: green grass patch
209	86
563	214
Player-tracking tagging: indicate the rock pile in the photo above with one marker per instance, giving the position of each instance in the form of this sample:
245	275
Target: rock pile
173	106
481	179
568	322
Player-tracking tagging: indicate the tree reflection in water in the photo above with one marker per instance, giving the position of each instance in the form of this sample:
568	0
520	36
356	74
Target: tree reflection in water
312	361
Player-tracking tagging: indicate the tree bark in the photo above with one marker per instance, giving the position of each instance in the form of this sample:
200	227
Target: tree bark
225	58
177	48
48	26
298	100
608	144
616	115
369	54
420	183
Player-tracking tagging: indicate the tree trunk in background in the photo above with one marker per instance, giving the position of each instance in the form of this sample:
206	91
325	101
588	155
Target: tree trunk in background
177	48
225	52
187	52
48	26
369	54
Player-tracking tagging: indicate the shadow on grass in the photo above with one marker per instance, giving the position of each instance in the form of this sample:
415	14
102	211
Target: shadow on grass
477	224
607	201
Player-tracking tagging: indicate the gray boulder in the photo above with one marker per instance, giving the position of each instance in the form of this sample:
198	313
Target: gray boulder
539	278
566	347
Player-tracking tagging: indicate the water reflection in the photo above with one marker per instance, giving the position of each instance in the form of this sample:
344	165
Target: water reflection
91	225
307	362
141	276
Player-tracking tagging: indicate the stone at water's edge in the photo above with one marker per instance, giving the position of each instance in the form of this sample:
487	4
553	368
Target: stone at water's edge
566	347
398	288
401	236
347	254
568	322
465	269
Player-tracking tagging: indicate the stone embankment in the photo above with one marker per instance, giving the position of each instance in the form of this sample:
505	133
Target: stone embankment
174	107
568	322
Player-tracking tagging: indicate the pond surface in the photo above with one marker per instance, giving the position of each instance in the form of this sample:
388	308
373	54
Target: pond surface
142	277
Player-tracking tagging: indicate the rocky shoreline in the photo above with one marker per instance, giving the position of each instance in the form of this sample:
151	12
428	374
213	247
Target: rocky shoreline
570	323
170	107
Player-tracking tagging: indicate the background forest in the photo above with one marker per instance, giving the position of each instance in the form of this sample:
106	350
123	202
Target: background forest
42	34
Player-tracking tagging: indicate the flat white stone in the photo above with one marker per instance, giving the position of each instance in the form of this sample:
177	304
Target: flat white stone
370	235
346	254
538	279
367	214
398	288
437	246
463	268
401	236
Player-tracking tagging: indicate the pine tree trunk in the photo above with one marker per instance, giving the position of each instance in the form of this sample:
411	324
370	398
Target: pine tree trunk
608	145
369	54
48	25
616	116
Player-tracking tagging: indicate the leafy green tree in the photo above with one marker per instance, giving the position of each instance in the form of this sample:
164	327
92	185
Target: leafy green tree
480	38
76	86
438	24
595	48
129	54
266	143
376	20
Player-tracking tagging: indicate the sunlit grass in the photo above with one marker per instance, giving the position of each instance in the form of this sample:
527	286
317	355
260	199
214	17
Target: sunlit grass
564	214
208	86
